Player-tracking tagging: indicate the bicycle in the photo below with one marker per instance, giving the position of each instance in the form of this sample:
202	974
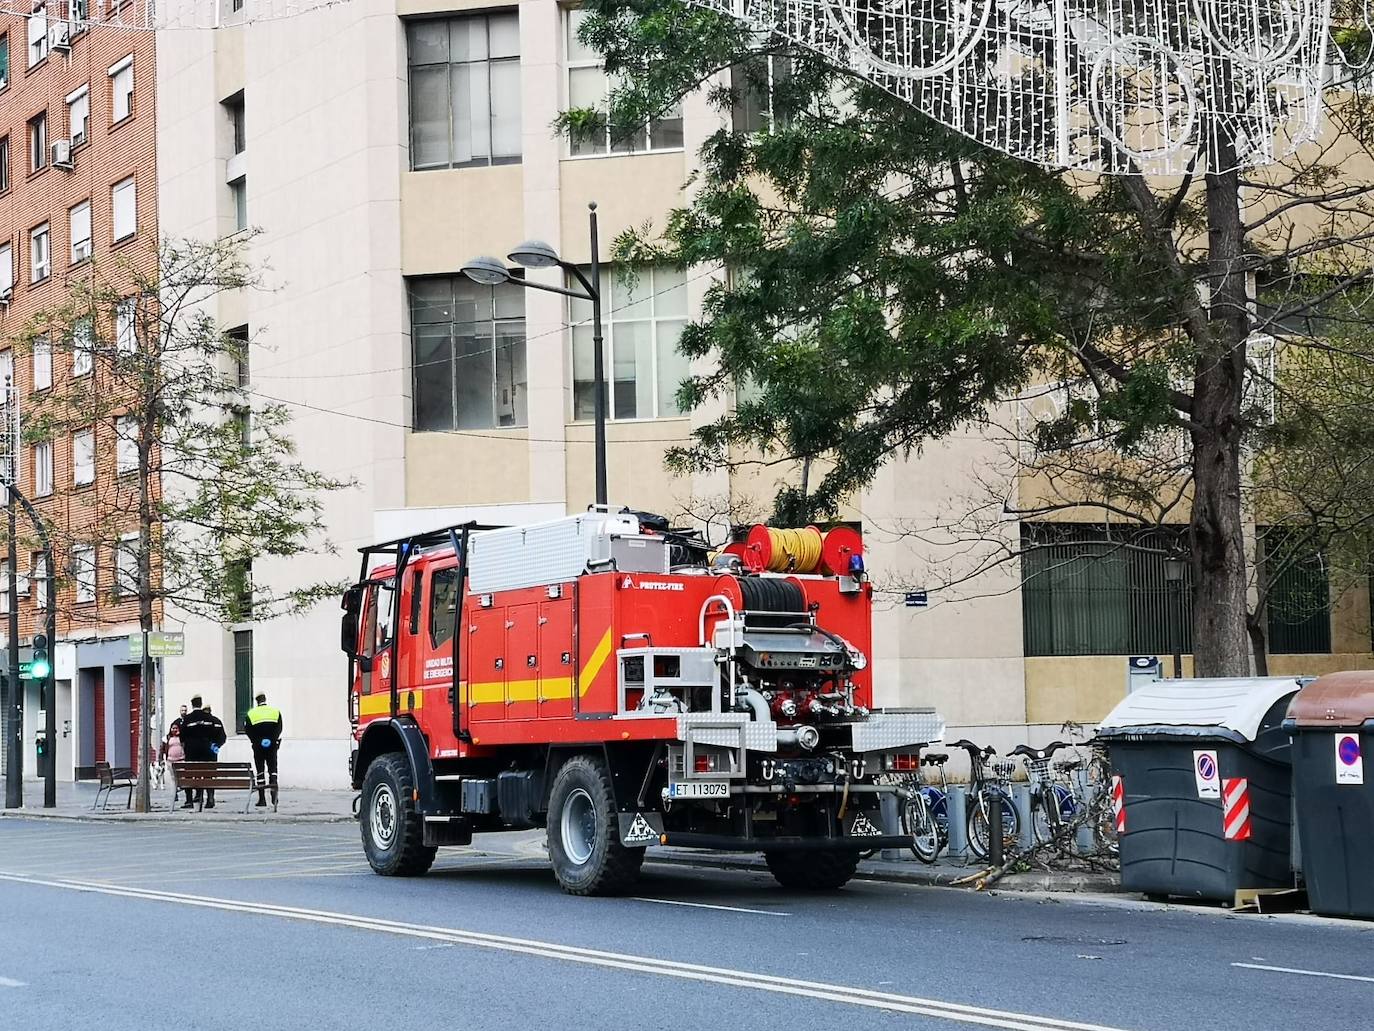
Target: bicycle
1053	804
1093	790
925	812
985	790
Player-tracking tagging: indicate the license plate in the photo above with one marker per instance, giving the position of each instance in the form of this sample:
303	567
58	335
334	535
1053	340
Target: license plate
700	789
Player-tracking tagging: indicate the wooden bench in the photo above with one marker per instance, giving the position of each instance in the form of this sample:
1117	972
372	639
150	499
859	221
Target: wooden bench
212	776
111	778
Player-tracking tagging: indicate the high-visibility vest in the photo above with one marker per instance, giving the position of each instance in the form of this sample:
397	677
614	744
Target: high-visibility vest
263	714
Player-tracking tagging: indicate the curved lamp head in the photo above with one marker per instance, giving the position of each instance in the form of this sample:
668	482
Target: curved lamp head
535	254
486	270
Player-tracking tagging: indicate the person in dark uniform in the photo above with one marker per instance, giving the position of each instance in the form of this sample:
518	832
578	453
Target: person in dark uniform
202	734
263	725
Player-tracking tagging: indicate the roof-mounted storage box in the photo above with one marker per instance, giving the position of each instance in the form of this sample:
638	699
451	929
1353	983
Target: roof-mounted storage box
1206	778
1332	723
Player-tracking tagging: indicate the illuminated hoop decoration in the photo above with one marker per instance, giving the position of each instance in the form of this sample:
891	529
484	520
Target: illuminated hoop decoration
1114	86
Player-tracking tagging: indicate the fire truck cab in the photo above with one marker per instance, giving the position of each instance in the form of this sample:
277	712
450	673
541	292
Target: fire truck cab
620	684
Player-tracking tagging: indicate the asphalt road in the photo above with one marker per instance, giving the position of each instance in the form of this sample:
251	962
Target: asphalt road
249	926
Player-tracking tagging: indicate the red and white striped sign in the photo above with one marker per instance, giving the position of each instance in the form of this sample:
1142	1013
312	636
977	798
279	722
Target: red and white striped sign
1119	803
1235	808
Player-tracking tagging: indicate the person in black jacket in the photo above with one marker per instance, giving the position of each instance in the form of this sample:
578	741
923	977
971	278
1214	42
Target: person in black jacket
263	725
202	734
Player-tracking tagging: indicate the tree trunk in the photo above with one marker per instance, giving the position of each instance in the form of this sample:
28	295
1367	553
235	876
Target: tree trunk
1216	537
1259	643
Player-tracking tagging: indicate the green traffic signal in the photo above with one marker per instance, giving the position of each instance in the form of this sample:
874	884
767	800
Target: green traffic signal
40	667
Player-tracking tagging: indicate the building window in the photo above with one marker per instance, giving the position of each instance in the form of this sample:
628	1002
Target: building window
238	582
126	565
126	445
83	347
121	90
42	469
238	192
752	84
4	59
124	202
40	254
78	115
469	354
589	86
80	221
83	572
6	270
1298	607
233	107
39	564
1094	590
4	163
126	342
237	346
38	35
643	367
42	363
38	141
464	90
243	674
83	458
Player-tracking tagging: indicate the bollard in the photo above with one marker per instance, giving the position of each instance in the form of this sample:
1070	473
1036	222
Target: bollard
1021	799
956	808
995	839
1087	840
892	824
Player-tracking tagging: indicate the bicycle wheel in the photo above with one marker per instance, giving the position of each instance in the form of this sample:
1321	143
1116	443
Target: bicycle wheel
978	830
1045	821
919	824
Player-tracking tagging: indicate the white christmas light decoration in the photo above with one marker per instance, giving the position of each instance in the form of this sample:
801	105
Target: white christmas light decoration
1152	86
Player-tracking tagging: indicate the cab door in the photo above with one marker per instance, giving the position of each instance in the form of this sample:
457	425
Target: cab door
375	660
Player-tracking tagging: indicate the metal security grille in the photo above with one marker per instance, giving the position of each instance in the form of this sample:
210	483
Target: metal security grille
1299	606
1096	590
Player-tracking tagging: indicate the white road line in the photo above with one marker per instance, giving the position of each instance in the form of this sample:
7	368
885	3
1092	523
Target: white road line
1305	973
705	905
951	1011
9	982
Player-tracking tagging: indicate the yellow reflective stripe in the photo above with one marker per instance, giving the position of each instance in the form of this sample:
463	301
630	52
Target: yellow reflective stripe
554	688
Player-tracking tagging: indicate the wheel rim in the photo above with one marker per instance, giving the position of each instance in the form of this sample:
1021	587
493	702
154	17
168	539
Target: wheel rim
383	817
579	826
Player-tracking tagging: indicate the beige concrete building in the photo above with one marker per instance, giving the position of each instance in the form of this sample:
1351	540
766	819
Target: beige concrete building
381	143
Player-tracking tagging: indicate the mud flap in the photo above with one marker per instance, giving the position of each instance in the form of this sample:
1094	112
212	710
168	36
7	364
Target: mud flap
640	829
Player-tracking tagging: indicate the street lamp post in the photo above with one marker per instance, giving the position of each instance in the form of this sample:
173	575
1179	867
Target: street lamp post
1173	573
535	254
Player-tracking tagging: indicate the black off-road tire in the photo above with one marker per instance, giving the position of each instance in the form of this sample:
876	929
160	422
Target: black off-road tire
584	832
812	870
392	829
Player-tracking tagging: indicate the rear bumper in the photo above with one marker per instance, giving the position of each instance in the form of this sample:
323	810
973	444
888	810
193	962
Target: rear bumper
728	843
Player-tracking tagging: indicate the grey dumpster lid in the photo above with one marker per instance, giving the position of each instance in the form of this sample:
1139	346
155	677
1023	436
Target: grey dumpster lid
1189	706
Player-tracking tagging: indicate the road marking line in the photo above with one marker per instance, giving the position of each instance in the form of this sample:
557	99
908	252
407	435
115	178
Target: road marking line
706	905
951	1011
1305	973
9	982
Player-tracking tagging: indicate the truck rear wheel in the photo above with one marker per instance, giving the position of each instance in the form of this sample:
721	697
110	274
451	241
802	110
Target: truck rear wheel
392	829
812	871
584	832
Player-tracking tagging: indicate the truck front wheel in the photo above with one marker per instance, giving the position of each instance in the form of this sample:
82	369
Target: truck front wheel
393	831
812	870
584	832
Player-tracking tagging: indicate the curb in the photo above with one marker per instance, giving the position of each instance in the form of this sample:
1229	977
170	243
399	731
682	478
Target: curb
928	876
174	818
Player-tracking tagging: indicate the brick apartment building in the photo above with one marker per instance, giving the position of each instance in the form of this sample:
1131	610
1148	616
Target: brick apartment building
78	164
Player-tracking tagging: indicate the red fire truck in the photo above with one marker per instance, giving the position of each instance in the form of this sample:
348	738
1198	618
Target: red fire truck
614	681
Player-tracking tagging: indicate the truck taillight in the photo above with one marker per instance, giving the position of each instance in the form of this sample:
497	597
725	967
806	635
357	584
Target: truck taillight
706	763
906	763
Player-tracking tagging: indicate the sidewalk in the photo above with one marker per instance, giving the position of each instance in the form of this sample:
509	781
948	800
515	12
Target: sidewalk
74	802
306	806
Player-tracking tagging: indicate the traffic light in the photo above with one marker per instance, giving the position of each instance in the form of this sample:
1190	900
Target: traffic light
41	665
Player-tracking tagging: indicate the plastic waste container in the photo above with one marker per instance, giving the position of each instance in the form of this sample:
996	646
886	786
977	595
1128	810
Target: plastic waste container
1203	770
1332	723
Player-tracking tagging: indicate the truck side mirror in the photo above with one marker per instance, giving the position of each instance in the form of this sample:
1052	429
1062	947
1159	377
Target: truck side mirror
348	623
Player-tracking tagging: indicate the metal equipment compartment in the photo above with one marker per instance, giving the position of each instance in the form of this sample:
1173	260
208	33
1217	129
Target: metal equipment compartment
1205	774
1332	723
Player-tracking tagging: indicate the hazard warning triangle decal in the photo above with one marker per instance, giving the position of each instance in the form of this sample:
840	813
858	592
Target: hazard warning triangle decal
863	828
639	832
